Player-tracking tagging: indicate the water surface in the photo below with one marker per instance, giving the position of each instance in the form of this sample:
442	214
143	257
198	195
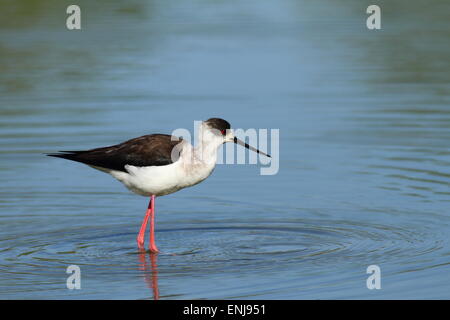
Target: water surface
364	123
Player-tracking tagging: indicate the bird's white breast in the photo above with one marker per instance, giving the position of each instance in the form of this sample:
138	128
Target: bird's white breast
162	180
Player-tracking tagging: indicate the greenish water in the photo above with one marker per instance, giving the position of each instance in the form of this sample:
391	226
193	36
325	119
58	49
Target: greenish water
364	119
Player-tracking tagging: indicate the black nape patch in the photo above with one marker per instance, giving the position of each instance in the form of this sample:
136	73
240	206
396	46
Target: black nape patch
219	124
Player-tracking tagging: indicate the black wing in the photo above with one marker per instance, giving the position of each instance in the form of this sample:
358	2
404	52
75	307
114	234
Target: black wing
148	150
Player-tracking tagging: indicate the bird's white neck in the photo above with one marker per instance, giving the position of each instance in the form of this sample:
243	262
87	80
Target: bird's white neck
204	154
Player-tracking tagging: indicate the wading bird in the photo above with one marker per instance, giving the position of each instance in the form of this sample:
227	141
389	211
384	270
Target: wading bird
159	164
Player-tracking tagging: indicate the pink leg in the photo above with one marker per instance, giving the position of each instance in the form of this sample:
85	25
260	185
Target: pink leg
141	236
153	247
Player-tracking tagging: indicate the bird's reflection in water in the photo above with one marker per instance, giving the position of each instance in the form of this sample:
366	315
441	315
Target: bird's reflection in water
148	264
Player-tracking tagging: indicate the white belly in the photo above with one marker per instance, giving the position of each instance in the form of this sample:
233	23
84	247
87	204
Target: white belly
161	180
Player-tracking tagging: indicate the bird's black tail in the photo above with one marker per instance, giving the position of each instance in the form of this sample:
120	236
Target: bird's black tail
69	155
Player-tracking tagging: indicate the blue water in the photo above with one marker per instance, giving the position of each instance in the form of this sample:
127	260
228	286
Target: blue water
364	120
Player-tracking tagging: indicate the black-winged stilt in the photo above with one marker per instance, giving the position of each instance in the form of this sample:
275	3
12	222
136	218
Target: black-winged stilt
159	164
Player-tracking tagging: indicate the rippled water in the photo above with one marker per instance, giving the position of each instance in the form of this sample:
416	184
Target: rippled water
364	123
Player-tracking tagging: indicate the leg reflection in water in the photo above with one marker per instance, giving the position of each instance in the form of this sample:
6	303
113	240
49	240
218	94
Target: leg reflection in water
150	268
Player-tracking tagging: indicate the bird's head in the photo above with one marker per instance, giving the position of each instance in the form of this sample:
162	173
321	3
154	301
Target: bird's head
217	131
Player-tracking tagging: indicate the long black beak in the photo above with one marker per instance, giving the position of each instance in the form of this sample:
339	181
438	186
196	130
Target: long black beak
242	143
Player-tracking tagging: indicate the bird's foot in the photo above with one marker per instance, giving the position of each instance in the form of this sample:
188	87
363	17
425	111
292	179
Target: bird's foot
140	243
153	249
